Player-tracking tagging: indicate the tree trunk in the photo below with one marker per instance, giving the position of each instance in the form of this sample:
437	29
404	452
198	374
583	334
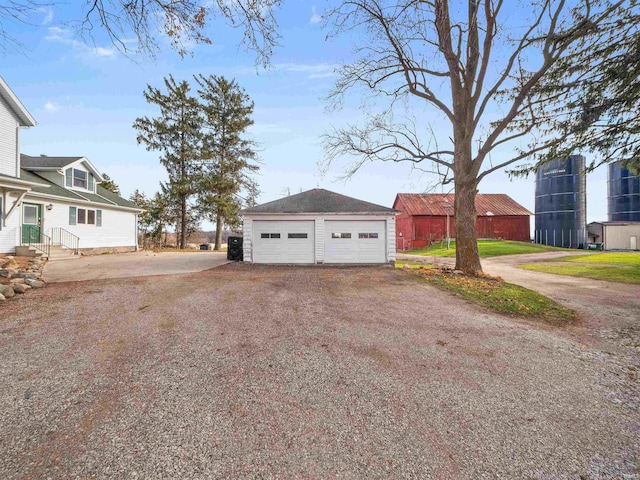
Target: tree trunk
218	243
467	258
183	222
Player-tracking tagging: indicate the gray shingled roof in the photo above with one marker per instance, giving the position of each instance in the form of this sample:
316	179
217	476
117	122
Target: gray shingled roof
318	200
104	197
27	161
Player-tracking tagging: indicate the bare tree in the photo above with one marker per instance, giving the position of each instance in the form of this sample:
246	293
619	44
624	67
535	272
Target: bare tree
184	22
471	67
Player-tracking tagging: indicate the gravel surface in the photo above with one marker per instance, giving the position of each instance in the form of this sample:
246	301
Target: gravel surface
274	372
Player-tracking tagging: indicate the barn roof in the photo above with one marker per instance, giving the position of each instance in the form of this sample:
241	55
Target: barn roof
441	204
318	200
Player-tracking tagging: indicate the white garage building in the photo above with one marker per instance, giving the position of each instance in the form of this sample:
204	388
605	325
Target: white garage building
319	226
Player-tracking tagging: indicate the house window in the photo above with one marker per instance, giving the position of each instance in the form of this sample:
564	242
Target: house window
68	174
269	235
91	182
297	235
79	178
367	235
340	235
83	216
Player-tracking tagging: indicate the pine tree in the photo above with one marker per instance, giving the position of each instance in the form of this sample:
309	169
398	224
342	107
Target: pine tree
109	184
228	156
176	134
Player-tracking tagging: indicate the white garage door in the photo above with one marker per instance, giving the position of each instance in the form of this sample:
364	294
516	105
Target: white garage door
283	242
355	241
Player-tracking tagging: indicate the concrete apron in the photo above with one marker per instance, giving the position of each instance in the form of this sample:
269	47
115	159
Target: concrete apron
136	264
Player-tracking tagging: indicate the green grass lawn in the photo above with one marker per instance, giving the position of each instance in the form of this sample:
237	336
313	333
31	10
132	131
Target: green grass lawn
610	266
499	295
486	248
628	259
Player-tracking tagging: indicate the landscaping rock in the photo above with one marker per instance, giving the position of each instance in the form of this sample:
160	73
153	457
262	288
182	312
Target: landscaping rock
32	275
19	288
16	280
2	298
34	283
5	273
7	291
18	275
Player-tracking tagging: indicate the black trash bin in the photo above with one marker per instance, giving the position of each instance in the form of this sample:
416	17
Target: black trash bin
234	248
204	246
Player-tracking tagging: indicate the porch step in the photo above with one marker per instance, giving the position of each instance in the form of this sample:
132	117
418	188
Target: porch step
61	253
29	251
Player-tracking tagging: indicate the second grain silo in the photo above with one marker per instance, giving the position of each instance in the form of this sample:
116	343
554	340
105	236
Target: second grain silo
561	203
624	194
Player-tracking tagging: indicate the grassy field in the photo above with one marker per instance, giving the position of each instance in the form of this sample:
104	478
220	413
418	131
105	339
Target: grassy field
628	259
497	295
486	248
621	267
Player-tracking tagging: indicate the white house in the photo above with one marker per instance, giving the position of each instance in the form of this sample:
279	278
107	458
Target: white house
55	201
319	226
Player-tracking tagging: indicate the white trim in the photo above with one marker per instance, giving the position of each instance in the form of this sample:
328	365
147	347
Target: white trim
13	207
83	202
18	183
14	102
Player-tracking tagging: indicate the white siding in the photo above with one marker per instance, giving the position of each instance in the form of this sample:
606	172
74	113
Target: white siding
391	239
319	239
53	177
9	234
9	127
118	227
247	231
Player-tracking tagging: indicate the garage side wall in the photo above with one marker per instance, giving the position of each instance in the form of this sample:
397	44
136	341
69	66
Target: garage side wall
247	232
619	237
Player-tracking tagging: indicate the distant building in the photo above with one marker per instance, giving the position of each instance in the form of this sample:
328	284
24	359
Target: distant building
615	235
623	194
423	218
561	203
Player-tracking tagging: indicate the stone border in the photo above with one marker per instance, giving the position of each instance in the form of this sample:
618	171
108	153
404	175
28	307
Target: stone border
15	280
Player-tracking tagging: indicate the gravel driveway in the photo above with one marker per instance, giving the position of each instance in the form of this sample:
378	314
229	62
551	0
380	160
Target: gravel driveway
273	372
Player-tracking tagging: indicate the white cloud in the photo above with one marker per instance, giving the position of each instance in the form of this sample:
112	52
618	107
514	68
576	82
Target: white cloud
65	36
48	15
315	17
51	106
319	70
104	52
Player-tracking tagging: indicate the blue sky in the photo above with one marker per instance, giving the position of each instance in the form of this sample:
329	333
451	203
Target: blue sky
86	96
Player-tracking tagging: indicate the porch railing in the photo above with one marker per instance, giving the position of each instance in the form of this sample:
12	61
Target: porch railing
66	239
36	239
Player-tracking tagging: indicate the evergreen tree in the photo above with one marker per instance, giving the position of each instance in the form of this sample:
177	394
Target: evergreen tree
144	217
228	156
109	184
176	134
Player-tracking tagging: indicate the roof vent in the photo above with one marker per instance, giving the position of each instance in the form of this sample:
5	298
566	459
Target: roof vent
490	214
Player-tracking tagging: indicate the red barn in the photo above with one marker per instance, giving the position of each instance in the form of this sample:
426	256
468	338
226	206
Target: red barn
423	220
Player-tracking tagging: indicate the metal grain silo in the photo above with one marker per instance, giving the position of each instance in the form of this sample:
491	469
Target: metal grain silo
561	203
624	194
